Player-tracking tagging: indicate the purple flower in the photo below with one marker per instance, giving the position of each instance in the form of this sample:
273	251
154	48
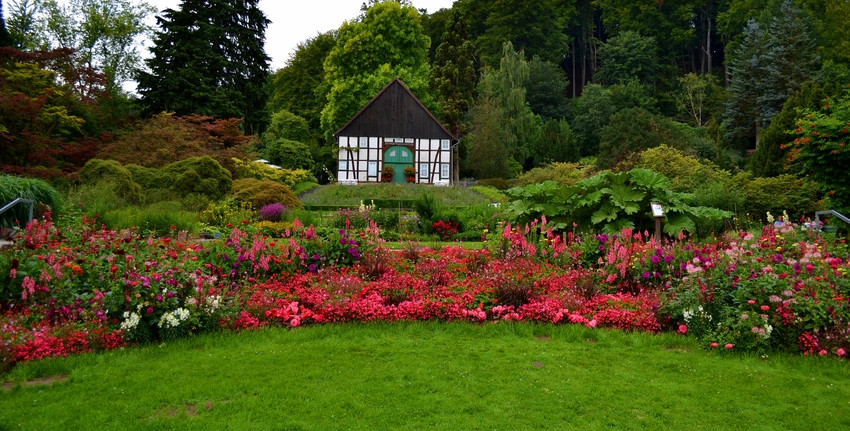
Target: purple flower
159	297
668	259
273	212
343	241
646	274
655	259
316	256
312	267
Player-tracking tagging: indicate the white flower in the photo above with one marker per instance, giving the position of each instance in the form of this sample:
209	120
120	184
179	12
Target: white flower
688	314
212	303
131	320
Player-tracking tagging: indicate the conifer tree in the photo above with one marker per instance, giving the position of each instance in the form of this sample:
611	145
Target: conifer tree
208	58
453	75
5	39
744	117
790	59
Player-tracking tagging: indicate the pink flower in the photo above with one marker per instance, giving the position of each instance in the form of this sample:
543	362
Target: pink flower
822	352
841	352
683	329
765	308
713	345
149	310
729	345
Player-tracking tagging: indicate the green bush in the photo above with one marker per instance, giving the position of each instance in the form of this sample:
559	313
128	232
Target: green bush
798	197
97	198
154	220
386	219
258	193
491	193
567	174
12	187
203	175
496	183
260	171
110	171
686	172
289	154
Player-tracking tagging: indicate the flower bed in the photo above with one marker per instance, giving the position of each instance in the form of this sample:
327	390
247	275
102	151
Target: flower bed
81	289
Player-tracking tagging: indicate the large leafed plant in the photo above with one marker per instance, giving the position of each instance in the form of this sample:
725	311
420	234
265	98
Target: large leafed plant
609	202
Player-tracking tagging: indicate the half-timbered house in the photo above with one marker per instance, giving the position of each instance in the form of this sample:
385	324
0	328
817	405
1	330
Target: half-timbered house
394	130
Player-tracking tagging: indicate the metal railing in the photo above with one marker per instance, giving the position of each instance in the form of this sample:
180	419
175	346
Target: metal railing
17	201
838	215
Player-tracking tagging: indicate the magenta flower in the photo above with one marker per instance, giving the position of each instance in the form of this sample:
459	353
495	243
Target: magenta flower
149	310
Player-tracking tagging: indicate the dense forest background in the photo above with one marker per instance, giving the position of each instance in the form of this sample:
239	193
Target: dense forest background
754	87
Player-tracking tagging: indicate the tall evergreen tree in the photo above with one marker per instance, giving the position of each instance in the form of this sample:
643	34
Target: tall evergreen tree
208	58
453	75
790	59
744	117
5	38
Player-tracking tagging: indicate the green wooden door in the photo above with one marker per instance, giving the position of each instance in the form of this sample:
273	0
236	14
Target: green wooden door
399	158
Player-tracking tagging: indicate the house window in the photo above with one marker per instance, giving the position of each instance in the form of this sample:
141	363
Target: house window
343	165
373	169
445	145
444	171
423	170
364	142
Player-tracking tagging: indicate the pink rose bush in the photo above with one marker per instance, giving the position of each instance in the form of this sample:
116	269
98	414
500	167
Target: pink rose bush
86	288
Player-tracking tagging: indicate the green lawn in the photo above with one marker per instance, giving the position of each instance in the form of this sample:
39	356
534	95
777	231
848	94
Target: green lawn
430	376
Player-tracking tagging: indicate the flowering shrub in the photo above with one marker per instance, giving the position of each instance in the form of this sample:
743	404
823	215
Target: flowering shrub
273	212
446	230
80	289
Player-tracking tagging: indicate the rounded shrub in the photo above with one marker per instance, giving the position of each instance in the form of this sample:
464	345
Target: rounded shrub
202	175
259	193
110	171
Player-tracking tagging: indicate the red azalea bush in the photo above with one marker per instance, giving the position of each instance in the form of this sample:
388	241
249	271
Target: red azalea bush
79	289
446	230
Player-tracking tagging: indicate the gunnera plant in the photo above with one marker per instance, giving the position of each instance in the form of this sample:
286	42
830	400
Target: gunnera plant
274	212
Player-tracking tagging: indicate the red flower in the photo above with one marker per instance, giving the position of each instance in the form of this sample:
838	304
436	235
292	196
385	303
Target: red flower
729	345
765	308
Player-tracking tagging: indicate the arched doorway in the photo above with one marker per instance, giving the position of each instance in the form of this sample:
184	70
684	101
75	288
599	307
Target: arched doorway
398	157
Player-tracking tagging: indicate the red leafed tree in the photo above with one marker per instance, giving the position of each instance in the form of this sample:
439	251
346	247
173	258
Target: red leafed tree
44	100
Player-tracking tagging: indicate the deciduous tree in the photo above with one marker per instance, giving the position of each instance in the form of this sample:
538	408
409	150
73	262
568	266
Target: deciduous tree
386	43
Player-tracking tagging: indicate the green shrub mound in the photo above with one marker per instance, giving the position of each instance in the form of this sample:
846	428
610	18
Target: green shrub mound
115	176
201	175
258	193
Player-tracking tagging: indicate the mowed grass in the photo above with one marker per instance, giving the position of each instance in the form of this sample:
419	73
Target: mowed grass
431	376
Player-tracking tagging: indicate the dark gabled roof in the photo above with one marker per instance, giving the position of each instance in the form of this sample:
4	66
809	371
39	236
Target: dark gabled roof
395	112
